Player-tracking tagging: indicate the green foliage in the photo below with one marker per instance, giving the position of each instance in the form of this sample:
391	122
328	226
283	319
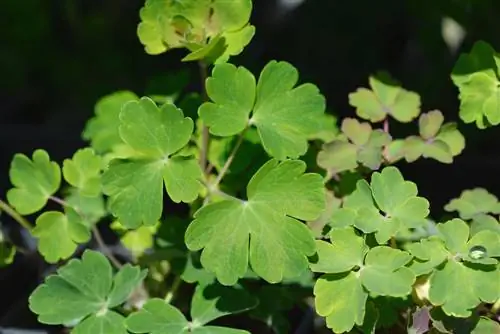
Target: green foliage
59	234
386	98
222	220
386	206
155	135
209	302
34	180
353	271
264	230
86	291
477	75
212	30
284	116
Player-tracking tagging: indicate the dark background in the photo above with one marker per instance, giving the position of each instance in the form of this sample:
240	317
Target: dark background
58	57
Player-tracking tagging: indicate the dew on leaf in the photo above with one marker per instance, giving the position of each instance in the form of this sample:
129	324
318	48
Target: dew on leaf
477	252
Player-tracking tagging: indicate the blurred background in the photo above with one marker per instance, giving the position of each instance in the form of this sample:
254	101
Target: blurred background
58	57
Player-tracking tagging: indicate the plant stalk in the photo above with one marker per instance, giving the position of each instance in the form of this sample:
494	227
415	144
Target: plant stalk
4	207
205	135
173	289
230	159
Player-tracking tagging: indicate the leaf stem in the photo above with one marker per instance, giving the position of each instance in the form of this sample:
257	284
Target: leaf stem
100	241
229	160
4	207
205	135
173	289
95	232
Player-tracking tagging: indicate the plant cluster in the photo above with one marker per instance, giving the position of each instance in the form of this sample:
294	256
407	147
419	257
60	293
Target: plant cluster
284	208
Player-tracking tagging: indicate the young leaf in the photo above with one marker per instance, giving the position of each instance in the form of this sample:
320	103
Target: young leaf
196	25
263	231
284	116
476	75
34	181
385	98
84	172
474	202
102	129
338	156
59	234
436	141
156	134
389	193
85	290
365	146
137	241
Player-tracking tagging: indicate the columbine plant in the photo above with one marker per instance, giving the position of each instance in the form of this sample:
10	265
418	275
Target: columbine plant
261	222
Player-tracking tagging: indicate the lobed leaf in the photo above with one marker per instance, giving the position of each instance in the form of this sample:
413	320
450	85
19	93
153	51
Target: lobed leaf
34	181
102	129
83	291
385	98
83	171
262	231
135	186
476	74
284	116
474	202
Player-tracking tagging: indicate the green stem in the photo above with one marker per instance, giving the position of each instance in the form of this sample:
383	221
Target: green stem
229	160
173	289
15	215
205	135
95	232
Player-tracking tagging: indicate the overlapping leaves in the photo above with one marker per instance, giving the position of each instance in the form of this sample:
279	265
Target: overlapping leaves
285	116
476	74
388	193
264	230
212	30
210	301
102	129
459	262
362	144
438	141
84	291
353	271
135	185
